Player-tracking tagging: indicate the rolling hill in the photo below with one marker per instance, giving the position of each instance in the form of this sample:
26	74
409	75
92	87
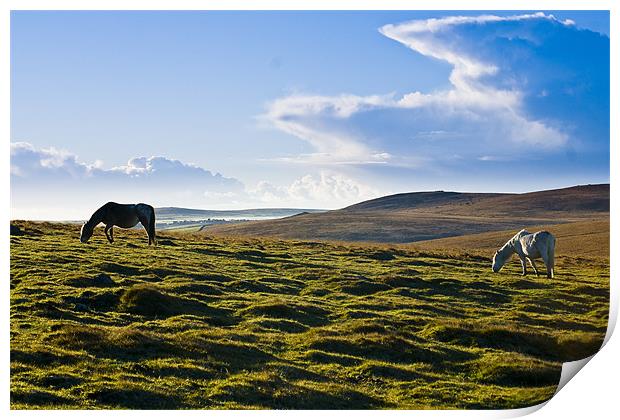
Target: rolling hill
420	216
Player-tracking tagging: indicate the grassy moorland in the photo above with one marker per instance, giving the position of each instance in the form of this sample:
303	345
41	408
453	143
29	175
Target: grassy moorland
206	322
587	238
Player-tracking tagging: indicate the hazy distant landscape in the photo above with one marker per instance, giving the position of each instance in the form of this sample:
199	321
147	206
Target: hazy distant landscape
177	217
413	217
165	214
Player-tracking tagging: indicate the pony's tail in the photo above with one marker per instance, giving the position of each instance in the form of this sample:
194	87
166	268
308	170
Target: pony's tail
152	226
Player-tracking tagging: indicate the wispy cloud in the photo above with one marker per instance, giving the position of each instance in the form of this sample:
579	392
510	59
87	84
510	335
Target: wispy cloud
315	119
487	107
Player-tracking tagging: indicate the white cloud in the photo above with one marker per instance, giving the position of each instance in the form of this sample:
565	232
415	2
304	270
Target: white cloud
27	161
294	115
486	116
50	165
327	189
42	178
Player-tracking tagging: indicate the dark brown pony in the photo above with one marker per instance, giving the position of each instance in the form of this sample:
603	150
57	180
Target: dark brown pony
122	215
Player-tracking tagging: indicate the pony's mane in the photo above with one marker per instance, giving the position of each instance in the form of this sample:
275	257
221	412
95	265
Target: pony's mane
509	247
506	250
519	234
511	243
95	218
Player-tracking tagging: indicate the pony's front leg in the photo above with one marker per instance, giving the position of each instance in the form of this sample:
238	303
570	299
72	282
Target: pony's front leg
109	235
523	266
533	264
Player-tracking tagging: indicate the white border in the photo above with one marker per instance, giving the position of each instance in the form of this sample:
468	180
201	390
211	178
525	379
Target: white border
593	393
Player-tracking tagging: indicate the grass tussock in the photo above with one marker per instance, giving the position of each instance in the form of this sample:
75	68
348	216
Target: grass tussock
149	301
514	369
205	322
123	342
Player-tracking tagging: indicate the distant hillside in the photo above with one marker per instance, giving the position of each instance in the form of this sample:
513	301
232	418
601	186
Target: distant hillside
408	201
579	198
411	217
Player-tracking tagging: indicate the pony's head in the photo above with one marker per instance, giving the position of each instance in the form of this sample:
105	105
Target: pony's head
499	258
86	232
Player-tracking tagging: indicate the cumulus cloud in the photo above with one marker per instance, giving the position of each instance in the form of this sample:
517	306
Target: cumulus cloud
45	181
27	162
40	177
498	65
50	165
327	189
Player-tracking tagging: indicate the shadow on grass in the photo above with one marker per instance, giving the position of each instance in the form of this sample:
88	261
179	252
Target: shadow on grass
186	372
308	315
362	287
197	287
323	357
38	398
386	347
60	381
276	393
116	343
282	325
476	292
234	355
136	399
251	286
530	342
151	302
125	270
370	370
100	280
89	300
42	358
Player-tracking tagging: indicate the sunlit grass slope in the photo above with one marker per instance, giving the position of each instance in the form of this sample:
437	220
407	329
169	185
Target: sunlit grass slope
585	238
200	322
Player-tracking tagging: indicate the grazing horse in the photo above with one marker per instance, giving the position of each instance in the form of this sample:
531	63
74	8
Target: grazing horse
528	246
121	215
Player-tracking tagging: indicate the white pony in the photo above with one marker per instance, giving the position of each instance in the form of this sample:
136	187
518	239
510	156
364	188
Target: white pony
528	246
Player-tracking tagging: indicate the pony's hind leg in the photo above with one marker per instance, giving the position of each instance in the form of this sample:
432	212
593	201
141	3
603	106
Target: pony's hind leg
551	258
533	264
151	229
548	263
145	224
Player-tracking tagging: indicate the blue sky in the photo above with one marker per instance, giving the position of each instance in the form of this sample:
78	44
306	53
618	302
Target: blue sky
303	109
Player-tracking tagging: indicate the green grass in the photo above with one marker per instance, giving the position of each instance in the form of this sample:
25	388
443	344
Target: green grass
200	322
